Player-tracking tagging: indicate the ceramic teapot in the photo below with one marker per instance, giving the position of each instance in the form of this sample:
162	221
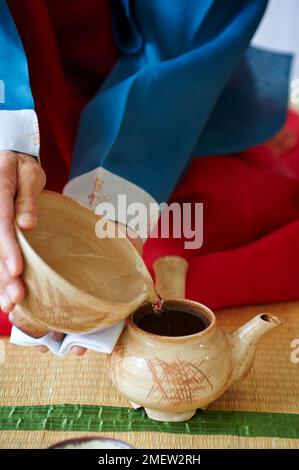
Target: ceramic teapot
172	376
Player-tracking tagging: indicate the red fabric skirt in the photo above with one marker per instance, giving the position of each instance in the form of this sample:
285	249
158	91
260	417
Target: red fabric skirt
250	251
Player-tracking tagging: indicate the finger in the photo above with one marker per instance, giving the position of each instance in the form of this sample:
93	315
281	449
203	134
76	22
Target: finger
78	351
6	304
42	349
15	291
5	277
9	250
57	335
31	181
1	302
13	287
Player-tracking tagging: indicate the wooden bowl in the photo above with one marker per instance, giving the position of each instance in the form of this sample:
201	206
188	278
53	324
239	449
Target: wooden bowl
75	281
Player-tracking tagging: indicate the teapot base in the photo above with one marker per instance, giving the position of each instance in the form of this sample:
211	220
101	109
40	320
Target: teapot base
172	417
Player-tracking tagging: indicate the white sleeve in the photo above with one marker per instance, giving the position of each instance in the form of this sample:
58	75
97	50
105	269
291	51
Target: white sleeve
102	190
19	131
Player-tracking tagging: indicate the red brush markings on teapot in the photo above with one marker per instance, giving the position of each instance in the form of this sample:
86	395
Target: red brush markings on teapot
116	361
178	381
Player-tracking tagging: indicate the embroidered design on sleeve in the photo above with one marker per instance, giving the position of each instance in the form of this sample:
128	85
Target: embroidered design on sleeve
97	195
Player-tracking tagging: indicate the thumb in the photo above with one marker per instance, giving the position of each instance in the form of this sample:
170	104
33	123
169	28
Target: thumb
31	182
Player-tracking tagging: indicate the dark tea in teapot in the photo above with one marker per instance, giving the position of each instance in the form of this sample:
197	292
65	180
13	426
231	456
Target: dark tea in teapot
168	319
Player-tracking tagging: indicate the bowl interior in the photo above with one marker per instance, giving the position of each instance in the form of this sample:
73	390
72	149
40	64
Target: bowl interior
107	268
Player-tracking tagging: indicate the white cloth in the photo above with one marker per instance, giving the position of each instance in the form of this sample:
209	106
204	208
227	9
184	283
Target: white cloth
19	131
100	341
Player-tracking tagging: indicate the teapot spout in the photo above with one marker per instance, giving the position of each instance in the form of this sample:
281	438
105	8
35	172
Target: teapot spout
244	342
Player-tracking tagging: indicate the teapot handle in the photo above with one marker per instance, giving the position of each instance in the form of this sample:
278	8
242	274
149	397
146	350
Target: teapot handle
170	275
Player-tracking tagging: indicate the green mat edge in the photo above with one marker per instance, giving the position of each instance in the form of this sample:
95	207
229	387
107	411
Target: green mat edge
92	418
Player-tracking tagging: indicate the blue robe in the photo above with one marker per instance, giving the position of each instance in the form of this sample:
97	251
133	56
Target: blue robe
186	84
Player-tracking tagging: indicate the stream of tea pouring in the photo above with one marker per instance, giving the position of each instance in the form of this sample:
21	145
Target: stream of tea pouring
158	305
